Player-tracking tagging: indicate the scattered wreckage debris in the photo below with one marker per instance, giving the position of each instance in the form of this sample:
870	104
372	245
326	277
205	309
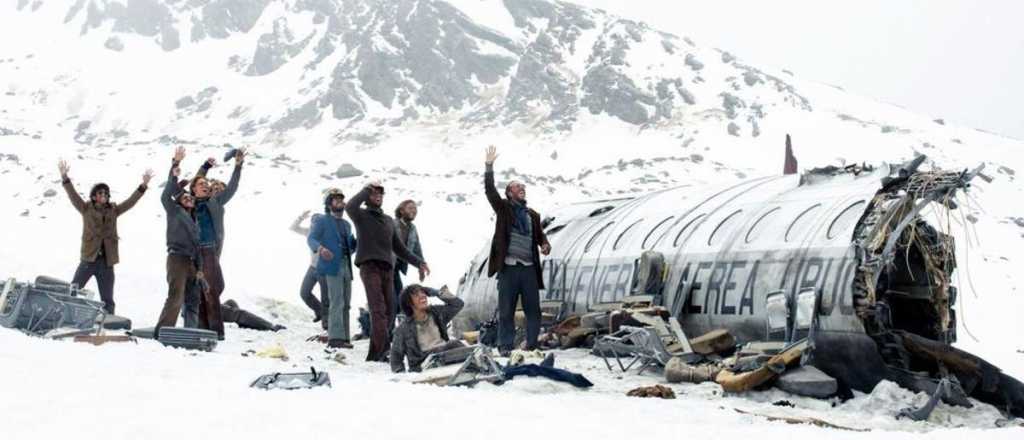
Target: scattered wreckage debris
481	366
659	391
38	309
292	381
807	381
187	338
677	371
801	421
103	339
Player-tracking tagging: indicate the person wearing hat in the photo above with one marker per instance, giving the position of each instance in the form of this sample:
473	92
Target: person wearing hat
379	243
99	251
425	331
514	257
184	259
330	237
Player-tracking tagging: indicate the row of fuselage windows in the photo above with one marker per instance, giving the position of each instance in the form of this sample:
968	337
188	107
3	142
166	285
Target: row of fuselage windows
795	229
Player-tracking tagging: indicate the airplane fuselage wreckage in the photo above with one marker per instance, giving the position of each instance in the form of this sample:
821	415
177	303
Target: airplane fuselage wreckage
843	260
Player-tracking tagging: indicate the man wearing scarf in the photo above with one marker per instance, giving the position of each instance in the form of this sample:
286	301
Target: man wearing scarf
514	257
378	244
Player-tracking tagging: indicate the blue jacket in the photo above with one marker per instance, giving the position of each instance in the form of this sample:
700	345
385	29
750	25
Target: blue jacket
324	232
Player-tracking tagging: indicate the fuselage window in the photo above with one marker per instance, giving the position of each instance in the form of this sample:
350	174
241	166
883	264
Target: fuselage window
590	243
724	228
555	229
686	227
624	233
648	243
846	219
801	223
757	230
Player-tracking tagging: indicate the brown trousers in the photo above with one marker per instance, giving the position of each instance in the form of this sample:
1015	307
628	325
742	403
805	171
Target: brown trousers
209	302
181	275
378	280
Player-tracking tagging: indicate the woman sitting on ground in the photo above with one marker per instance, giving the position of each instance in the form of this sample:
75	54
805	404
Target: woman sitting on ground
425	328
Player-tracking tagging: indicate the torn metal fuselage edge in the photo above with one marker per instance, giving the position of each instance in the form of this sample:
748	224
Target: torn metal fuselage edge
842	256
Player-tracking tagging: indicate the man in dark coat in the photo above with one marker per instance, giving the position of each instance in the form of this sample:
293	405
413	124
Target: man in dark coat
99	251
330	237
378	245
184	259
514	257
425	330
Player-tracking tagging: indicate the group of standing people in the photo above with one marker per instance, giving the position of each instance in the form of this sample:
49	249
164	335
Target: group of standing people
377	253
195	238
382	248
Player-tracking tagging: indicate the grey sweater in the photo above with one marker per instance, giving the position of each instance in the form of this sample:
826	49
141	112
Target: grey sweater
182	230
378	235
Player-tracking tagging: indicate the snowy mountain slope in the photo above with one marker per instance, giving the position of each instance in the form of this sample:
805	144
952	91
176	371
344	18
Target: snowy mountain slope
581	103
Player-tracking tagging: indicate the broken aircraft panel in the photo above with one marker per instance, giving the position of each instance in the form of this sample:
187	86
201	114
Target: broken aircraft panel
841	256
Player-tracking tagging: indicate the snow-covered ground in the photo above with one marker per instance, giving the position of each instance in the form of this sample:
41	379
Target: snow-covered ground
51	79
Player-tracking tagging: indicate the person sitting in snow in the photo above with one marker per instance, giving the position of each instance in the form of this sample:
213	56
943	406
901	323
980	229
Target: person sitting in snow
99	232
425	330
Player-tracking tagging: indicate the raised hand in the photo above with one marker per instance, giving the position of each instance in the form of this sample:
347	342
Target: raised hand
239	156
492	155
146	177
179	154
64	168
211	162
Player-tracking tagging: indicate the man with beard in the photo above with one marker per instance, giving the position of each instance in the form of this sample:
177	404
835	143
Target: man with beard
99	251
379	243
405	213
183	254
209	213
330	237
514	258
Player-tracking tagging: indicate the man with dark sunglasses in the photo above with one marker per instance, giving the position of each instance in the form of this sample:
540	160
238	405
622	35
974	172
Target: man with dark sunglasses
99	251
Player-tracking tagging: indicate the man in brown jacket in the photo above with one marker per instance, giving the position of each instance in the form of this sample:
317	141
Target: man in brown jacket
514	257
99	232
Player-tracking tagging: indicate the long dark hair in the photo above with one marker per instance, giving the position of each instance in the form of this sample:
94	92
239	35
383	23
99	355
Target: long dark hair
405	298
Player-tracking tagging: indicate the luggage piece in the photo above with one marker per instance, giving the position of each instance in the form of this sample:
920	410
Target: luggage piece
25	307
292	381
807	381
57	285
715	341
188	338
449	357
114	322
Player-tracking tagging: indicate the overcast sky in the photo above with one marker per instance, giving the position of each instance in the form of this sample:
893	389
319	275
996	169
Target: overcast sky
958	60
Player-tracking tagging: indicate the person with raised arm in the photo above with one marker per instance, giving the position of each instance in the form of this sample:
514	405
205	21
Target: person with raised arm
99	250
